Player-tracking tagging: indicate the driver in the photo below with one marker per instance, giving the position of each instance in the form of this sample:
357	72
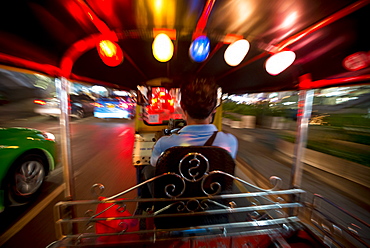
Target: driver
198	102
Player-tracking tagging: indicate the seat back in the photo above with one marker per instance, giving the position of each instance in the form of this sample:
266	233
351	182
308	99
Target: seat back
190	173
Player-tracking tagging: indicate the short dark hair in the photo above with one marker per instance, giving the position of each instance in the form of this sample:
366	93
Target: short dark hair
199	97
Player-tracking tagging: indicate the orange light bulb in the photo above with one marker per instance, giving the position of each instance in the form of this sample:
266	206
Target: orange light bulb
110	53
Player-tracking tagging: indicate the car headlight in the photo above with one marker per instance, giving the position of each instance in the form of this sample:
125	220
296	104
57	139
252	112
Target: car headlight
48	136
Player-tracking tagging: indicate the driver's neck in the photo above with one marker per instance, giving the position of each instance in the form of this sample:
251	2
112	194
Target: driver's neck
191	121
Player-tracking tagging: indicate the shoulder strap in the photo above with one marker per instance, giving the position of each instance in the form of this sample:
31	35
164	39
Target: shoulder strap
209	142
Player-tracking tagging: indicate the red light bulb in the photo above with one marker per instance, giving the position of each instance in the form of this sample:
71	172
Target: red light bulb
110	53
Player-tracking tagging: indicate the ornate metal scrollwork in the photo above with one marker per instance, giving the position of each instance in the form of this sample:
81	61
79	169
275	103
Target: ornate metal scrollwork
276	182
194	172
121	207
89	213
194	167
124	227
215	187
97	189
191	205
170	188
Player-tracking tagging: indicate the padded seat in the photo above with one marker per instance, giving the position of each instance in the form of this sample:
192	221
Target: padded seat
194	167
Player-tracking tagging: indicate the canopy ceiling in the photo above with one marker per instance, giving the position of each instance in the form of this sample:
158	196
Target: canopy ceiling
41	35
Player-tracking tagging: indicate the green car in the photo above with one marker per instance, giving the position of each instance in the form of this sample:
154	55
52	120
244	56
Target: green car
26	157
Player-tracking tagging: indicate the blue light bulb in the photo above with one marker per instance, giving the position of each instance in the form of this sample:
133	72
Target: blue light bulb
199	49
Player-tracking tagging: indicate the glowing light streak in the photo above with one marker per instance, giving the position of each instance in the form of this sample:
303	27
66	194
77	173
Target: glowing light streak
162	48
279	62
110	53
199	49
236	52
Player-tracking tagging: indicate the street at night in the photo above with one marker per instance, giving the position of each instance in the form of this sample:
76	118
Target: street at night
101	153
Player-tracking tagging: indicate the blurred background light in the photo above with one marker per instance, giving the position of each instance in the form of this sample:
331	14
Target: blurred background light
110	53
199	49
279	62
236	52
162	47
290	20
99	89
121	93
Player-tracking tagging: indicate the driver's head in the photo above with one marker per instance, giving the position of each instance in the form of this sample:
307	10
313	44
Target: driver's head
199	97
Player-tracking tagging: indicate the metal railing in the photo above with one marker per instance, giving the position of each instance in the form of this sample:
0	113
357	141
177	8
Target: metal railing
254	213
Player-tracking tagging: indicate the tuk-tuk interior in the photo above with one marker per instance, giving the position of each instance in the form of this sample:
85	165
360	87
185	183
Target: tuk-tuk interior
329	43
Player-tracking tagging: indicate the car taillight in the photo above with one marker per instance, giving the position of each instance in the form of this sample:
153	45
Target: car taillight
40	102
98	105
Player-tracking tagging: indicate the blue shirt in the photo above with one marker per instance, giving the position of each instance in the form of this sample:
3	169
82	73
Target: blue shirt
195	135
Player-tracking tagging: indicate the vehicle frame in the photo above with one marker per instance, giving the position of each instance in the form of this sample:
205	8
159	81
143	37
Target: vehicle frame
317	38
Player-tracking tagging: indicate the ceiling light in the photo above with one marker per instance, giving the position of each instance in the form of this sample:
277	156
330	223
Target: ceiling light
110	53
279	62
199	49
236	52
162	47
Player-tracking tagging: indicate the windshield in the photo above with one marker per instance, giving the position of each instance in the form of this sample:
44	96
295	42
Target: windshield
164	105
